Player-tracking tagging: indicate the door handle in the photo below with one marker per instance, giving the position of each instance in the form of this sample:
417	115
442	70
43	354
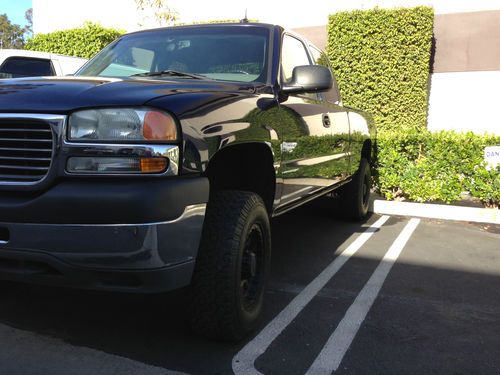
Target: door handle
326	120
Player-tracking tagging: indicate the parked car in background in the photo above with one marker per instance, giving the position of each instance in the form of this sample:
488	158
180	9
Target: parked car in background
15	63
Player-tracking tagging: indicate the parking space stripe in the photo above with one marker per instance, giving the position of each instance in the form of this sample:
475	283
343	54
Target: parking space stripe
337	345
243	362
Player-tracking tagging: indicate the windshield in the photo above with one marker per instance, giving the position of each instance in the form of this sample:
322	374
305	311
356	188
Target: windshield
221	53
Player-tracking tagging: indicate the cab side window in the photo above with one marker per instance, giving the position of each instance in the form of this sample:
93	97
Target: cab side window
321	58
293	53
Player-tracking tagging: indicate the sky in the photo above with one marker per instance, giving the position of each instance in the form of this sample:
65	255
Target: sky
15	10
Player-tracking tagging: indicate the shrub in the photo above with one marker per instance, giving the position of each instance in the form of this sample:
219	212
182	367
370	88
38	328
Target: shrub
424	166
381	59
83	41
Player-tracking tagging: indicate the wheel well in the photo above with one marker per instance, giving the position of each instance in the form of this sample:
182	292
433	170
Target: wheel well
248	166
366	151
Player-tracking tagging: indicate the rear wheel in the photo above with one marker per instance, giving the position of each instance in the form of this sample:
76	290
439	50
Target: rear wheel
232	266
355	196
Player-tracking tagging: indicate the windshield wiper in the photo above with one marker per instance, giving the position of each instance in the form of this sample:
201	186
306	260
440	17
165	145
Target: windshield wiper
173	73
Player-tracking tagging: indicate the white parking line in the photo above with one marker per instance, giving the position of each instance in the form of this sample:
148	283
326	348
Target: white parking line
243	361
331	355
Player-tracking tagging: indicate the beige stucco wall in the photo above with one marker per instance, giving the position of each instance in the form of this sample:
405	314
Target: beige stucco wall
467	42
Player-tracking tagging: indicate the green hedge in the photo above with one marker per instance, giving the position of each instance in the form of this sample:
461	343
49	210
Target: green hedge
423	166
83	41
382	62
381	59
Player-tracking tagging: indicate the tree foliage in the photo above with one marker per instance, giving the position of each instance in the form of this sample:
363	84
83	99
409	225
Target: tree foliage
11	35
28	15
163	15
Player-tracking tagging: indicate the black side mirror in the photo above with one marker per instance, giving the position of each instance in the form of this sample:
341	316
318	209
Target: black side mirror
309	78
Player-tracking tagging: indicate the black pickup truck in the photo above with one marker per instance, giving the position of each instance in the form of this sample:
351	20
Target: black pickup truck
160	163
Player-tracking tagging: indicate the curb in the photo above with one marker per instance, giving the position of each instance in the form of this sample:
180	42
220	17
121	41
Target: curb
435	211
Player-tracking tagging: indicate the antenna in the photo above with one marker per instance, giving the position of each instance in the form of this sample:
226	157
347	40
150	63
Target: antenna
245	20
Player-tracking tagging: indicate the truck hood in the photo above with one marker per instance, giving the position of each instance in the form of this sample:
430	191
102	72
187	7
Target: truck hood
59	95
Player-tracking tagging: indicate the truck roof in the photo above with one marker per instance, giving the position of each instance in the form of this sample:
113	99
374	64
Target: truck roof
225	24
4	53
213	24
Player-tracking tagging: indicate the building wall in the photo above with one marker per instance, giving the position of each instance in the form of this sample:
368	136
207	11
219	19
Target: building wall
467	42
465	101
53	15
465	84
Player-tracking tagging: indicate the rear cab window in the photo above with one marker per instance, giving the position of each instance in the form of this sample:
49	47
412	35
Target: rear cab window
16	67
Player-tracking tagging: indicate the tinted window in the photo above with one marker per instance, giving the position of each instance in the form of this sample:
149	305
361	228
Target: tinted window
321	58
293	53
14	67
221	53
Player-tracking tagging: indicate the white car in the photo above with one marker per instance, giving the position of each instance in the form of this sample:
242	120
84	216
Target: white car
15	63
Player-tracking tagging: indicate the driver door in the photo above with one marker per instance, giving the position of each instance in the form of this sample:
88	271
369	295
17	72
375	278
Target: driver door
312	151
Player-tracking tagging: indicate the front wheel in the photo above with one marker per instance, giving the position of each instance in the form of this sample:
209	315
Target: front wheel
232	266
355	196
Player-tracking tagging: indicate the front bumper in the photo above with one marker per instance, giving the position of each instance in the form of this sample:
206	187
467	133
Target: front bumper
143	257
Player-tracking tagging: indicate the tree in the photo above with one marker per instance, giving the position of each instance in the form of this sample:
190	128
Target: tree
28	15
11	35
162	13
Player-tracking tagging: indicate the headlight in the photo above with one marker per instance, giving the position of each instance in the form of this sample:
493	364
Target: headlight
121	124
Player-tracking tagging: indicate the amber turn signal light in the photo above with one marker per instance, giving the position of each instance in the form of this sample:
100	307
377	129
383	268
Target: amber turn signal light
117	165
153	165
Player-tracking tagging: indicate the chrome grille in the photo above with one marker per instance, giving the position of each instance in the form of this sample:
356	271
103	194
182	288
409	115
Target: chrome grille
25	150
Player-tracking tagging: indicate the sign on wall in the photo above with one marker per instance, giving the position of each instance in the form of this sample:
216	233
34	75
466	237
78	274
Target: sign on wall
492	156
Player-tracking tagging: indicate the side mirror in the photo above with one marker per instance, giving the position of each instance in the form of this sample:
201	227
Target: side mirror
309	78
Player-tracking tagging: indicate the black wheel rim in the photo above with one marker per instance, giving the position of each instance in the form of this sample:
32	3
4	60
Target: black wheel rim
252	268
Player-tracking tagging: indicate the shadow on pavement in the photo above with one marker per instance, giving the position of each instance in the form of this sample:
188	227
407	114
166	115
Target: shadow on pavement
427	319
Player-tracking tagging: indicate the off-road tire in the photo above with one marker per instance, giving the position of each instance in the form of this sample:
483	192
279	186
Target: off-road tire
355	195
218	307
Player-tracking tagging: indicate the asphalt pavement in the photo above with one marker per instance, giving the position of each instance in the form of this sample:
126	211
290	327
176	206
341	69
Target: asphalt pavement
391	295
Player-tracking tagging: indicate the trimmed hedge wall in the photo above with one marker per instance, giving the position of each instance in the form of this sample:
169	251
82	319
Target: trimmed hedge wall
424	166
83	41
381	60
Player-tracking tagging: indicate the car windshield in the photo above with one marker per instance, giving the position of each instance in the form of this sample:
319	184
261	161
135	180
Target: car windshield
228	53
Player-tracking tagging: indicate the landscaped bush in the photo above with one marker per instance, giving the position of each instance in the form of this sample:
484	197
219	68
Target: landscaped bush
381	60
424	166
83	41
